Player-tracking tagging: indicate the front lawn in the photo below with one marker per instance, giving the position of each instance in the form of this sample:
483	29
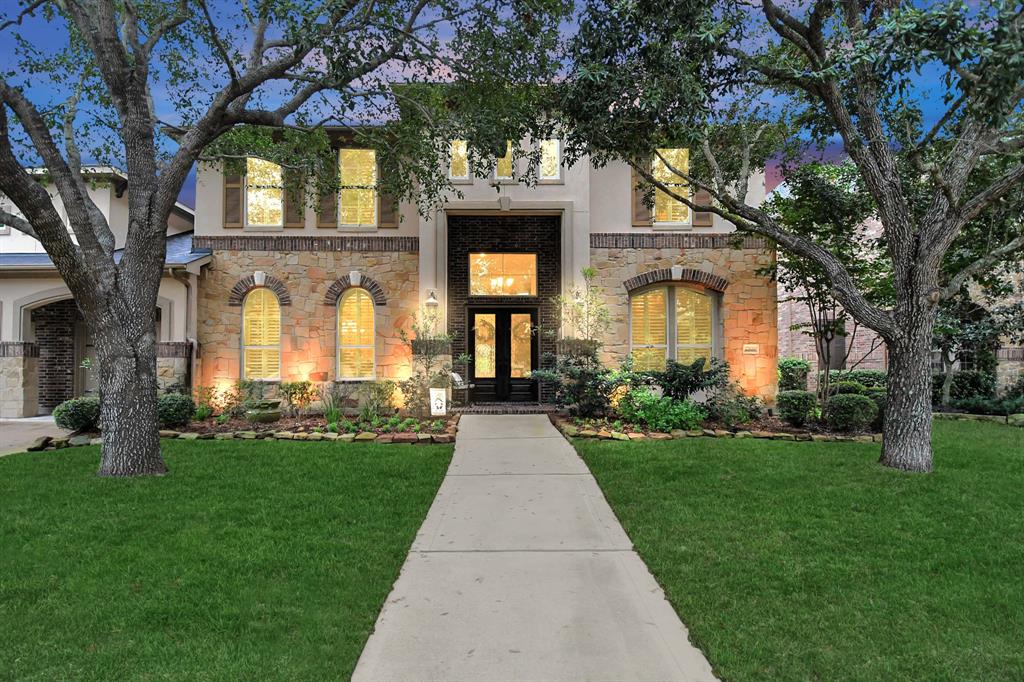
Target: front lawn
251	560
795	561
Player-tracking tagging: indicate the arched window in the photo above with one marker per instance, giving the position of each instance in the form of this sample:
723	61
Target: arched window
355	335
261	335
671	322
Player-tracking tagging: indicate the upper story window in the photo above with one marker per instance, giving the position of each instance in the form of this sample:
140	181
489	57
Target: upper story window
550	160
671	322
357	203
264	193
458	167
503	167
261	335
502	274
668	209
355	335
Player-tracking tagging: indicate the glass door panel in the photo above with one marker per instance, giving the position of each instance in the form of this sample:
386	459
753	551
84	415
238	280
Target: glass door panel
484	347
521	330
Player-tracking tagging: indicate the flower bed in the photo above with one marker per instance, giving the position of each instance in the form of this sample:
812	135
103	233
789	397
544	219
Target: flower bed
405	430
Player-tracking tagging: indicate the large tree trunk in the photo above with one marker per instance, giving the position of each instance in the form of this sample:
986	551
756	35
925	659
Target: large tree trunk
907	441
128	418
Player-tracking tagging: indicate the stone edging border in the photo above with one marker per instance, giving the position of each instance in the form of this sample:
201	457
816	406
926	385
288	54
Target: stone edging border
361	437
570	431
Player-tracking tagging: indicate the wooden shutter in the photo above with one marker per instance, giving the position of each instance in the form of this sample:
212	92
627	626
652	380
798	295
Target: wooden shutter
387	215
294	199
234	190
641	211
703	218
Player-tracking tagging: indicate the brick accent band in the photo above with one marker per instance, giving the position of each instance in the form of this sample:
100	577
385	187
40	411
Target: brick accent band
18	349
173	349
1010	353
297	243
648	240
342	284
247	284
665	275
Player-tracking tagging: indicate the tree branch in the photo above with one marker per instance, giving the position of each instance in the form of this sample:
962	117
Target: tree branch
980	265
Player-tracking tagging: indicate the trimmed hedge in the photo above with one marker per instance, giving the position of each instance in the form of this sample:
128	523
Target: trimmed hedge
869	377
967	384
793	374
881	398
851	412
78	414
853	387
795	407
174	410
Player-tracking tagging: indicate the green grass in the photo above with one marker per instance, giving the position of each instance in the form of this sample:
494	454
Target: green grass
257	560
795	561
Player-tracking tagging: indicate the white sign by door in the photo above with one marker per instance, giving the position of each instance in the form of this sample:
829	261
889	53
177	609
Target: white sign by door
438	402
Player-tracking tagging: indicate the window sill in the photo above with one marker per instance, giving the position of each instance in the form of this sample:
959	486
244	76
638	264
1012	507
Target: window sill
673	227
354	380
551	181
357	228
263	228
460	181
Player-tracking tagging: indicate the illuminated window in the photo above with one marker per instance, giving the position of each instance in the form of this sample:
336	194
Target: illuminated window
671	322
502	274
264	193
357	204
503	168
355	335
261	335
459	166
667	209
550	160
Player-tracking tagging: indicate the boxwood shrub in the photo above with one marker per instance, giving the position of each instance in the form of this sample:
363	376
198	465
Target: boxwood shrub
793	374
795	407
881	398
868	377
854	387
78	414
174	410
851	412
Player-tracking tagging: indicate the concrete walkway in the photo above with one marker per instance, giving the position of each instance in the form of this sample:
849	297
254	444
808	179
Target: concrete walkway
18	434
522	572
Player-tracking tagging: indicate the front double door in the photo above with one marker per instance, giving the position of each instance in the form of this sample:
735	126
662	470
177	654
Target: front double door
503	346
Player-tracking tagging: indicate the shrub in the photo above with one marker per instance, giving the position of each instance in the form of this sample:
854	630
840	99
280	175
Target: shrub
202	413
641	406
968	383
853	387
850	412
681	380
174	410
732	407
795	406
578	383
872	378
78	414
1001	407
297	395
881	398
793	374
1015	390
377	399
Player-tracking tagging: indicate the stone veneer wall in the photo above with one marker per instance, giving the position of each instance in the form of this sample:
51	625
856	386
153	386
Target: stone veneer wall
748	312
172	358
1010	367
307	267
19	382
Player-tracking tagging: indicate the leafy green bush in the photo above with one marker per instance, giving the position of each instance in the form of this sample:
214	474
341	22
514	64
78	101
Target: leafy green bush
881	397
871	378
732	407
681	380
297	395
377	399
851	412
642	407
78	414
1001	407
174	410
968	383
580	384
854	387
793	374
795	407
202	413
1015	390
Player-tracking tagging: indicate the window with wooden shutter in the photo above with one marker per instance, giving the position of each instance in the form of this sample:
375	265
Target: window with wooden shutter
503	166
356	337
668	209
649	329
703	218
673	322
234	199
264	193
294	199
357	203
641	211
261	335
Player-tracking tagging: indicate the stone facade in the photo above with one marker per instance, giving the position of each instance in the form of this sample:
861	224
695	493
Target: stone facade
1010	367
172	361
308	327
747	310
19	382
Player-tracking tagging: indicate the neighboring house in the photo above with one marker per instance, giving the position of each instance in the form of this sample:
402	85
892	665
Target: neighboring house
296	290
45	351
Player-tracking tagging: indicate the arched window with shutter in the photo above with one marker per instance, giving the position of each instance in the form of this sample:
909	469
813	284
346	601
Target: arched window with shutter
261	335
672	322
356	336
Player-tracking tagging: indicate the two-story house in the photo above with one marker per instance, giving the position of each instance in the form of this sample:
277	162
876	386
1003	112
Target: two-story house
319	290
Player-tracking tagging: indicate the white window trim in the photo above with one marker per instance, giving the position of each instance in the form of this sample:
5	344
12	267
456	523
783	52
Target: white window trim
506	179
337	336
271	347
259	227
671	326
361	227
466	179
560	179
